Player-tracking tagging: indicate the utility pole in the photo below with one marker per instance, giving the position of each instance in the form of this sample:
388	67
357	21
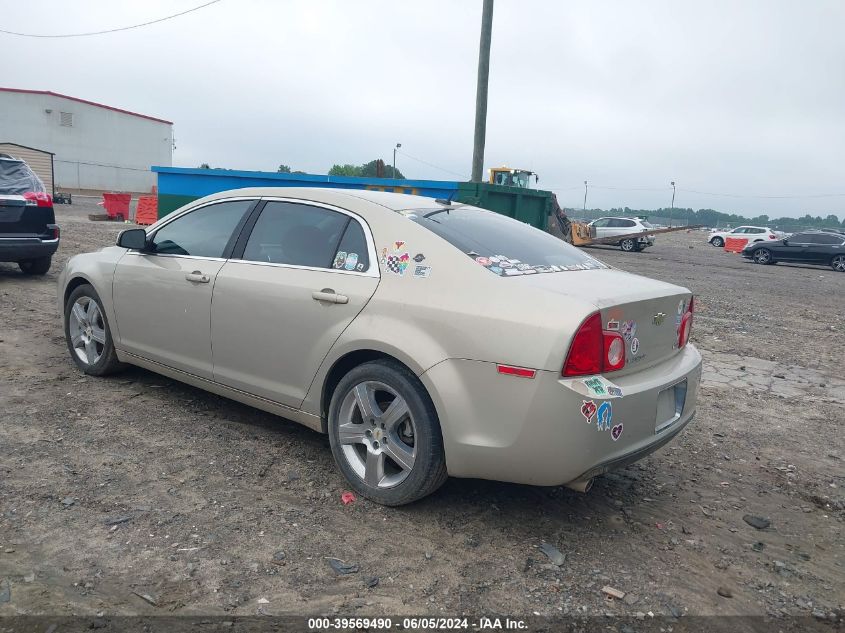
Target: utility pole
481	91
398	145
672	210
585	195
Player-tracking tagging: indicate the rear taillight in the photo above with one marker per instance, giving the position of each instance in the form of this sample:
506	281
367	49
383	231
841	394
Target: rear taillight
594	351
38	198
54	230
686	324
772	237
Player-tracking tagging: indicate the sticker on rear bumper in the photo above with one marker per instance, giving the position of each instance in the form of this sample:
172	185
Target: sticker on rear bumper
595	387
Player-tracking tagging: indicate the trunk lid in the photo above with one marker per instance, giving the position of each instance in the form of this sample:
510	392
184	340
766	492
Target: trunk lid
646	312
20	219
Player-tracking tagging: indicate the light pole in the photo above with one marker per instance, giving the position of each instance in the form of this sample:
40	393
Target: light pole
585	195
672	210
398	145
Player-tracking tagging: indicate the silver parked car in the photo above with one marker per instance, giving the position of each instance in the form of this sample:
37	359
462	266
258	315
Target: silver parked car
426	338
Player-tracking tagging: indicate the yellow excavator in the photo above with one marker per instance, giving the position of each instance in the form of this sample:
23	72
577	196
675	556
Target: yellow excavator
510	177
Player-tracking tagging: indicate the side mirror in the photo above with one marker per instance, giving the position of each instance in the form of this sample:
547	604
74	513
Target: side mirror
135	239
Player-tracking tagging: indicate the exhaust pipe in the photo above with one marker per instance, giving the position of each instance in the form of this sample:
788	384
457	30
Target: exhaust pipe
583	485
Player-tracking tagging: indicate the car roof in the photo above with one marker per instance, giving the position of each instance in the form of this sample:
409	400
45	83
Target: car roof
330	195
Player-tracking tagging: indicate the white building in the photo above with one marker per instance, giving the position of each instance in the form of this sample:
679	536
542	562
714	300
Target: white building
96	147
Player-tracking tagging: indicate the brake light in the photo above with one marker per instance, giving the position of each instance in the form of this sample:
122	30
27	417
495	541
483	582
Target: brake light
38	198
772	236
686	324
594	351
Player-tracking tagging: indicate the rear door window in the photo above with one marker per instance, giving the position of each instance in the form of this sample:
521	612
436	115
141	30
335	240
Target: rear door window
297	235
802	238
502	245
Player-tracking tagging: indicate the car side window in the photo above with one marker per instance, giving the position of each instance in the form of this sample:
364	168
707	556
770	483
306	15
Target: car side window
801	238
828	239
740	231
602	223
204	232
627	223
296	234
352	252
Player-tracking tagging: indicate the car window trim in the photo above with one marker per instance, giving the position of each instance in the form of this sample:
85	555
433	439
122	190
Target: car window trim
372	271
230	245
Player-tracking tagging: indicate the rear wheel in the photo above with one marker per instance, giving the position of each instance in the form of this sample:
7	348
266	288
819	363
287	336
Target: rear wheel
763	256
88	334
718	242
838	263
385	435
36	266
629	245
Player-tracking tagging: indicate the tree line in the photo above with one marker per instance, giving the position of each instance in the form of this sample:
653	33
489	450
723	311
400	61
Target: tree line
367	170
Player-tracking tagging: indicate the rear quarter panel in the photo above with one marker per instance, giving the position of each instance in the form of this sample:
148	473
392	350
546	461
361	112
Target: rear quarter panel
452	308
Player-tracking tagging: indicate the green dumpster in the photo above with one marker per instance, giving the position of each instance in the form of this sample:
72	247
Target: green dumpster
531	206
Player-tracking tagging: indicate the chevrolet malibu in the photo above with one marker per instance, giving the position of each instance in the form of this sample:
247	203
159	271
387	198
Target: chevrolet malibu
426	338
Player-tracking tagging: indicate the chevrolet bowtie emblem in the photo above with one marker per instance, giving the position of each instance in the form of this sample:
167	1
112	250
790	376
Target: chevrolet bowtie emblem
658	318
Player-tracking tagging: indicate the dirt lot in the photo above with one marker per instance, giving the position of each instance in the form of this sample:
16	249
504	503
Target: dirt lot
139	495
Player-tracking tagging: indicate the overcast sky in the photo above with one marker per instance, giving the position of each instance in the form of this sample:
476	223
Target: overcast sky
745	98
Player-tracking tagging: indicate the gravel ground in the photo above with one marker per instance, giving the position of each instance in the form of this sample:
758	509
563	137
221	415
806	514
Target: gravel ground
139	495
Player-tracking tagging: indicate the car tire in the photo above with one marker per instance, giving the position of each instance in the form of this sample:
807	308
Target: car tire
629	245
88	334
385	435
718	242
762	256
36	266
838	263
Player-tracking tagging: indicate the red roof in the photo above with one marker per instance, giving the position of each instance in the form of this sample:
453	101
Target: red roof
93	103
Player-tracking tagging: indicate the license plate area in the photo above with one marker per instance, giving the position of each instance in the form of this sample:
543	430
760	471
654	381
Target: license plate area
670	405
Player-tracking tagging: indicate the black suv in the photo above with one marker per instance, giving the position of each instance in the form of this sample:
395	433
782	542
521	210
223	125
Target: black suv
29	234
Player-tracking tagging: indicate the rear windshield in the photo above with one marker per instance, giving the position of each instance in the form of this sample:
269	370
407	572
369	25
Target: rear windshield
502	245
16	178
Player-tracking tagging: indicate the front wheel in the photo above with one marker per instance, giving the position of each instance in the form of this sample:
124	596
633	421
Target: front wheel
838	263
717	242
763	256
385	435
37	266
88	334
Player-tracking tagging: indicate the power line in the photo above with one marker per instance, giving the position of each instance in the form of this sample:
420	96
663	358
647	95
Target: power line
122	28
424	162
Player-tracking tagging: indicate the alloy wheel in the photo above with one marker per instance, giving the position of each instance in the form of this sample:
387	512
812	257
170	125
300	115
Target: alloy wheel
377	435
87	329
762	256
838	263
627	245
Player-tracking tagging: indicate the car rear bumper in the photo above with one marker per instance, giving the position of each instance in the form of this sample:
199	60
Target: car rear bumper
533	431
17	249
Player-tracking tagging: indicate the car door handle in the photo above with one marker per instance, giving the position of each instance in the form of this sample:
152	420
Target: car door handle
198	277
329	296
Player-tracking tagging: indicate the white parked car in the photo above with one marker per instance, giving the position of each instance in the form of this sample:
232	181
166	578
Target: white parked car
750	233
624	227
